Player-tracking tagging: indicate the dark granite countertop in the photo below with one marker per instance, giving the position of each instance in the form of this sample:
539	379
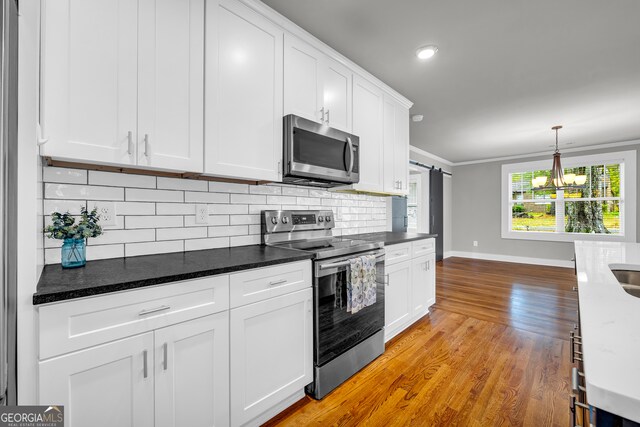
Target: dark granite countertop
118	274
392	238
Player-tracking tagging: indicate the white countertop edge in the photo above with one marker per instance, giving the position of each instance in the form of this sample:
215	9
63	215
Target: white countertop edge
609	326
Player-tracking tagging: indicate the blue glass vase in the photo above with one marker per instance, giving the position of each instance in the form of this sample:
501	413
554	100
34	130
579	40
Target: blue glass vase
74	253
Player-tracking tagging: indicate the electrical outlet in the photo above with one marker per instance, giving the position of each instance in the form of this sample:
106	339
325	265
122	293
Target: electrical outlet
475	243
107	212
202	214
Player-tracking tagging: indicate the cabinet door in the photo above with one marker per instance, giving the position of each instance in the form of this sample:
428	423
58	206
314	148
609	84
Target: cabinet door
397	301
107	385
89	80
302	86
431	288
367	124
243	93
420	286
401	149
336	93
192	373
271	353
396	147
171	84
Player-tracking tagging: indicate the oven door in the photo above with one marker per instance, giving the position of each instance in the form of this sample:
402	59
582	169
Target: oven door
337	330
316	151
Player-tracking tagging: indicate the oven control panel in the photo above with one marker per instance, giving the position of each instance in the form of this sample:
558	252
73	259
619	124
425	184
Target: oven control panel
287	221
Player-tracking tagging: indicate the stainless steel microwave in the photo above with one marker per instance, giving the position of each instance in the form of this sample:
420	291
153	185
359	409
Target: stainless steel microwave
318	155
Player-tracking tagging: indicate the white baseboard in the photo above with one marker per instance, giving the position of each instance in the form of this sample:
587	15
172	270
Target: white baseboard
511	258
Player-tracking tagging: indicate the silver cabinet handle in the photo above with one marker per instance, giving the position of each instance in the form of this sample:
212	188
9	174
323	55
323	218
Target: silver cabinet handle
145	369
277	282
386	279
146	144
164	356
322	112
575	380
154	310
130	142
327	116
351	156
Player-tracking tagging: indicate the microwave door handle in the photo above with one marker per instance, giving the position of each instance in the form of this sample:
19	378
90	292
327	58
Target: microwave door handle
350	156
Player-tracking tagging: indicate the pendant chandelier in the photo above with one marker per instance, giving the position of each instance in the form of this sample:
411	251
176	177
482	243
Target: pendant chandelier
558	180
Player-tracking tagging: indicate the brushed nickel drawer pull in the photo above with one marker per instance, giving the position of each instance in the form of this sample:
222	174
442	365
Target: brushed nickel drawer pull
277	282
145	369
154	310
164	354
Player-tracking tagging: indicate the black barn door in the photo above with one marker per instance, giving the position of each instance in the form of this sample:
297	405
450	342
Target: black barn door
436	210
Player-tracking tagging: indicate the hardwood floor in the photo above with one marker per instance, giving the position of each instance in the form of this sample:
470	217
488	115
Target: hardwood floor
491	352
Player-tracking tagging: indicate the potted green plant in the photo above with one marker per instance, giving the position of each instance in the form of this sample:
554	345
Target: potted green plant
74	236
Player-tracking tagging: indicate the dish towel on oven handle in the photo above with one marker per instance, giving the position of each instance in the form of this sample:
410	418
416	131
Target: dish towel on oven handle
361	283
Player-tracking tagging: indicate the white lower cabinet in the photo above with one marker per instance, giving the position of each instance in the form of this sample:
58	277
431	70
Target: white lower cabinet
397	302
271	354
192	373
175	355
411	284
102	386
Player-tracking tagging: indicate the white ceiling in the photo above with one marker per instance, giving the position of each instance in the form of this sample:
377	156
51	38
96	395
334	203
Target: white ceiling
507	70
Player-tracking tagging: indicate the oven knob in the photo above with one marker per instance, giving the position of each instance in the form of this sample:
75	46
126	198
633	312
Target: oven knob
274	220
320	219
285	220
327	218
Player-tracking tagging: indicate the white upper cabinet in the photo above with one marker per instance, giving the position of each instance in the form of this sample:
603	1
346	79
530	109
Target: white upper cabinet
122	82
367	125
89	79
171	84
316	87
243	93
396	147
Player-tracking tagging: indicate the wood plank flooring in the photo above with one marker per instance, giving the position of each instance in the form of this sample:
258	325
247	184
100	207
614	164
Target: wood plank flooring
492	352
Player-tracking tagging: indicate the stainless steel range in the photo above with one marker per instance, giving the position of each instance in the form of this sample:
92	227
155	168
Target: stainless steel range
345	340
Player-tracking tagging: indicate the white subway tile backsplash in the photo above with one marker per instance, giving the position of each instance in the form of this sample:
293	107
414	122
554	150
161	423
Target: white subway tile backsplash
113	179
181	233
182	184
150	248
175	208
234	230
155	221
265	189
63	206
281	200
248	199
211	243
123	236
228	187
295	191
142	195
82	192
64	175
228	209
245	240
198	197
244	219
159	212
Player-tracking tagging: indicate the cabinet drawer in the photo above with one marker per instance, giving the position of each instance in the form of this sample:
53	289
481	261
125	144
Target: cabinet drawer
423	247
256	285
397	253
73	325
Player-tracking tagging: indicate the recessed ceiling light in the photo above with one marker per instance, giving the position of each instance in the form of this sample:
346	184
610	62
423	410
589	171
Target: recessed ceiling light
426	52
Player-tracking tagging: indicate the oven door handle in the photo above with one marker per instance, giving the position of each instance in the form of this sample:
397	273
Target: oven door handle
345	263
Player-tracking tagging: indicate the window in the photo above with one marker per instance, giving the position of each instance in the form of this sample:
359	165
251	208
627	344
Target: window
413	201
599	211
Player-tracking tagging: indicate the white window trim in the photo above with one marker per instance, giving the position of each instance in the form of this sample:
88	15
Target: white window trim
628	192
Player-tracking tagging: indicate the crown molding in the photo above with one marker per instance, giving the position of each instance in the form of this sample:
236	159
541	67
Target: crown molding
432	156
